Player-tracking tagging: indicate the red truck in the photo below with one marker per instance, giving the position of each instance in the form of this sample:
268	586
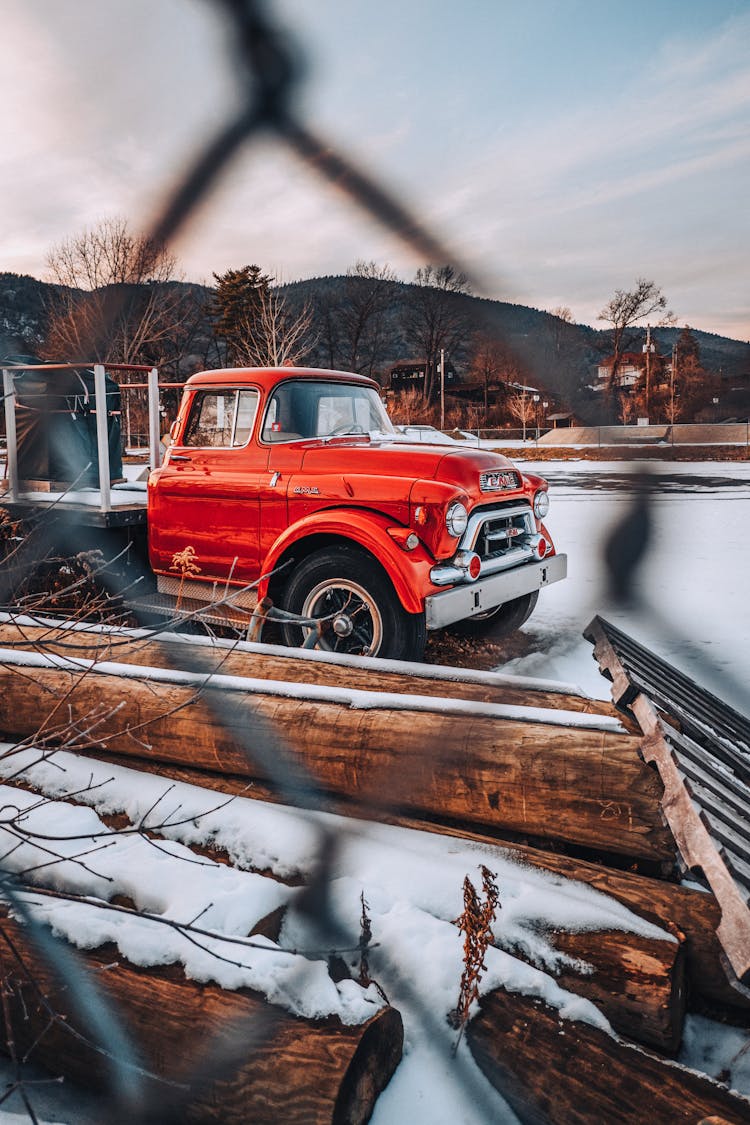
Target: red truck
296	479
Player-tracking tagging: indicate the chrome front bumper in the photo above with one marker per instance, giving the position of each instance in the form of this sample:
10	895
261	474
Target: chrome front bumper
472	598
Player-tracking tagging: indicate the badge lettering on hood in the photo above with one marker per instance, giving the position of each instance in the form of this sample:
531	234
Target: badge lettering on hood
498	480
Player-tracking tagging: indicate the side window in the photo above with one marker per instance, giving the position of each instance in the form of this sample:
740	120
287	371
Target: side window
247	407
221	419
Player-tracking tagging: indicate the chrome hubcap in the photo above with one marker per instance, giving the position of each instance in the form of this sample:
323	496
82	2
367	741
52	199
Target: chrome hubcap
351	620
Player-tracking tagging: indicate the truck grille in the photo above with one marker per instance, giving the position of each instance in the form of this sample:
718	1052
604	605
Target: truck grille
500	532
503	536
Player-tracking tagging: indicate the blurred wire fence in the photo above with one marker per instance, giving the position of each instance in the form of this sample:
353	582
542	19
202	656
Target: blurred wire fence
269	73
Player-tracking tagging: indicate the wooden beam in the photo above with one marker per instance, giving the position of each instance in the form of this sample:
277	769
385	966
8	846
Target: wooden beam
301	1072
721	756
554	1071
464	761
697	848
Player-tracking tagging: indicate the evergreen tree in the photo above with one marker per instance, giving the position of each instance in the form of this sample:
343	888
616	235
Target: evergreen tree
687	350
238	299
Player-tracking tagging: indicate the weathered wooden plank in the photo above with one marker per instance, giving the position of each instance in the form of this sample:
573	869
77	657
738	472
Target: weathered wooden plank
557	1072
506	775
266	662
697	848
722	856
277	1069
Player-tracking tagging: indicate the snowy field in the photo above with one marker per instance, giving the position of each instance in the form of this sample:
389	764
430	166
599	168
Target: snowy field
694	600
695	613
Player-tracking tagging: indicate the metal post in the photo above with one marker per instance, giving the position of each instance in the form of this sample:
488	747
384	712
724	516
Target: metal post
649	349
442	388
102	437
154	448
11	456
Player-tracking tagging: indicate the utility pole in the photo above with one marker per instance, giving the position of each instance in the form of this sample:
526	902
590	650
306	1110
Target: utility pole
442	388
649	349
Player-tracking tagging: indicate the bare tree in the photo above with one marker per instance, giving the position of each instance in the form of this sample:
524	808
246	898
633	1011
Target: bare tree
493	362
353	316
521	406
434	318
272	334
368	296
115	299
628	308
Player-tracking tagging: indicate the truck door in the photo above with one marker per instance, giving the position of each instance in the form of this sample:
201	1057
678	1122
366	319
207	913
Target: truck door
207	493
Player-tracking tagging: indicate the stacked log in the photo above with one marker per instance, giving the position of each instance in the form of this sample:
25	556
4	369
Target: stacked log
256	661
481	757
557	1071
213	1055
496	767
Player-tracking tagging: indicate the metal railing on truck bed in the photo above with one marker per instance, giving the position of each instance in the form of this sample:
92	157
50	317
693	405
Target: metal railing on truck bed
101	505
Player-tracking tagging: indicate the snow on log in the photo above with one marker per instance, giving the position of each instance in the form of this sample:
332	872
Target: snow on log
680	909
272	662
555	774
270	1066
555	1071
689	911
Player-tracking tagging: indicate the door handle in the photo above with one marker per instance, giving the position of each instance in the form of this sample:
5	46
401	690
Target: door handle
179	457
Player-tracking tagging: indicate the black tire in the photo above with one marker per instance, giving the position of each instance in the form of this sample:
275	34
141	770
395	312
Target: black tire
351	589
499	622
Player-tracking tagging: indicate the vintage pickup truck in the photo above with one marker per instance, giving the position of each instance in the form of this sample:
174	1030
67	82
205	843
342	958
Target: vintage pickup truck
296	479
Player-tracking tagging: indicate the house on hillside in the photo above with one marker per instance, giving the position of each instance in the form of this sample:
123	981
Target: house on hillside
631	371
409	374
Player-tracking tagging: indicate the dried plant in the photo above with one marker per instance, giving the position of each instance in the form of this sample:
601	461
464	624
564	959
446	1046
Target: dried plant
184	562
476	925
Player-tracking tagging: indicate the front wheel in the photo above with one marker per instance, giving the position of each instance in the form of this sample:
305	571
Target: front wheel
499	622
360	611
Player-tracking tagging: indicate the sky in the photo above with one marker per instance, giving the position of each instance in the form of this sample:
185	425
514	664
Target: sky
559	149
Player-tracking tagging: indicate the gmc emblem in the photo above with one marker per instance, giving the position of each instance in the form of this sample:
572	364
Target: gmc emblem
497	480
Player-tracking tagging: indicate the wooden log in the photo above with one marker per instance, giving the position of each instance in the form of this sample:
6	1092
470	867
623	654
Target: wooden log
275	663
690	912
637	982
559	1072
295	1071
465	761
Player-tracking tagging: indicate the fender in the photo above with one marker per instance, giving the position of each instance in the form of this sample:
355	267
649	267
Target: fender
409	571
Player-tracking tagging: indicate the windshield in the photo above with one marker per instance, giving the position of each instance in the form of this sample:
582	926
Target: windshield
306	409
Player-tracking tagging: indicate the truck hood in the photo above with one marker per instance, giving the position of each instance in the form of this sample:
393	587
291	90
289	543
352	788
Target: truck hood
454	465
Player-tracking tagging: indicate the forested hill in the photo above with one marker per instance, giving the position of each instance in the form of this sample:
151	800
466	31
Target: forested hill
555	353
537	337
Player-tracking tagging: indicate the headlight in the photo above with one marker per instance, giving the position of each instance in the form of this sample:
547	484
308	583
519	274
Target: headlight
541	503
456	519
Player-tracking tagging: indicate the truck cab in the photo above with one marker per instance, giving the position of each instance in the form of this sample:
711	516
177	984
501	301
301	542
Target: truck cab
294	483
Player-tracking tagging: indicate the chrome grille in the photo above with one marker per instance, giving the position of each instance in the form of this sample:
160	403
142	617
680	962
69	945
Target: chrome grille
501	531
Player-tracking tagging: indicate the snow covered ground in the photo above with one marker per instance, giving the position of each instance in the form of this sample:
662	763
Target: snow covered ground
695	612
694	607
